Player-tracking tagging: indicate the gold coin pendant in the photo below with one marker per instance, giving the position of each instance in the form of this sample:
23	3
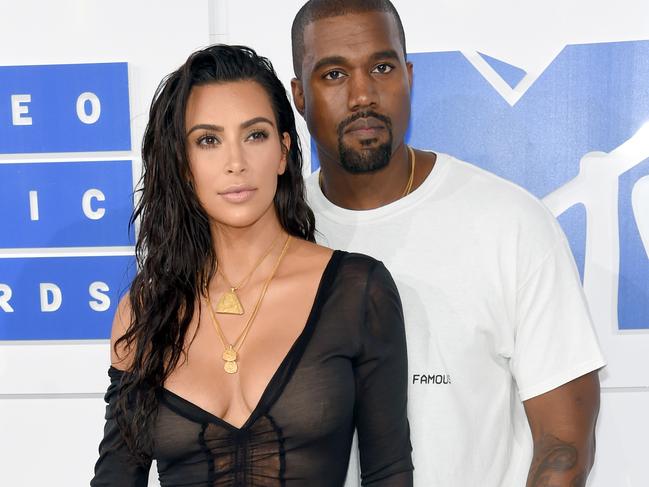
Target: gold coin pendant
230	367
229	354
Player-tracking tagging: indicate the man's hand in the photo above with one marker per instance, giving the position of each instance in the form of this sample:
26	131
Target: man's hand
563	429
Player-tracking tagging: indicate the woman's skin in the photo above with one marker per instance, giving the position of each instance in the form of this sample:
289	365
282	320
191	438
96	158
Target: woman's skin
236	153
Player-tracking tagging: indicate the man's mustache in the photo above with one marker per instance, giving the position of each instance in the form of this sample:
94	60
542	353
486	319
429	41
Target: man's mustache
364	114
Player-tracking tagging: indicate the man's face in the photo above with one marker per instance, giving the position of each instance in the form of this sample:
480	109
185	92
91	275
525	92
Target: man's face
355	89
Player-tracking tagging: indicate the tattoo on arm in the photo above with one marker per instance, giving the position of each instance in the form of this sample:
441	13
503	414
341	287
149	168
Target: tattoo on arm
553	460
579	480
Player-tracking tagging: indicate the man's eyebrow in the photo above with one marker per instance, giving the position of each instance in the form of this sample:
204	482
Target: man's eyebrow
340	60
387	54
329	60
218	128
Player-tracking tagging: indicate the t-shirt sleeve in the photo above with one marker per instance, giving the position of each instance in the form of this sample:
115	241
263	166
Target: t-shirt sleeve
381	371
116	466
554	337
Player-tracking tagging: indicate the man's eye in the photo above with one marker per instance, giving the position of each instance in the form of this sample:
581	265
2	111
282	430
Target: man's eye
333	75
207	140
383	68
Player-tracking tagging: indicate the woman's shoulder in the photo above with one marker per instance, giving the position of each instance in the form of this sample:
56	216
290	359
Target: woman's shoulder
121	354
359	260
362	271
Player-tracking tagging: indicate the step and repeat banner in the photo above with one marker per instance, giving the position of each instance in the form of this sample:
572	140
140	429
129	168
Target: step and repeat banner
50	209
574	131
553	96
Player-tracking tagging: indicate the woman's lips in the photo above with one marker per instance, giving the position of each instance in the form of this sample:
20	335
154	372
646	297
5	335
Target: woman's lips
237	195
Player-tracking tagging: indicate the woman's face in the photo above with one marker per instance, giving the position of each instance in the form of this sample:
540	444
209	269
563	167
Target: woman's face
235	151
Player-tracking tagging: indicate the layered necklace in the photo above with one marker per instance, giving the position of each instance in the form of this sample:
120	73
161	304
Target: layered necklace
230	353
229	302
411	177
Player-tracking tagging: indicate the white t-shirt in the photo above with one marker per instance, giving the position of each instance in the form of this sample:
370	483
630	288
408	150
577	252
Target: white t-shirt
494	311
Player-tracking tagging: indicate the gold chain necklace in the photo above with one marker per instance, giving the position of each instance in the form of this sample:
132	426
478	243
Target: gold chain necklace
229	302
231	351
411	177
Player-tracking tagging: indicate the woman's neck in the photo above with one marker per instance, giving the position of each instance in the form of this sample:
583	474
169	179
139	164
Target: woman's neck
238	250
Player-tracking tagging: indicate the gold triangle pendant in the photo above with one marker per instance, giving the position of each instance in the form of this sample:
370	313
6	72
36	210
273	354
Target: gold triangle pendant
229	304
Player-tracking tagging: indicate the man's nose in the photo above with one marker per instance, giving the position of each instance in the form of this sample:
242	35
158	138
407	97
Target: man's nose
362	91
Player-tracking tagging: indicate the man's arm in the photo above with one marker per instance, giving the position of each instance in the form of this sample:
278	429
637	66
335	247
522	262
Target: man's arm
563	430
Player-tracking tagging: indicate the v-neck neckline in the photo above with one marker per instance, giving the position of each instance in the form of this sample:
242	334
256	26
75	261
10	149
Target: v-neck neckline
274	388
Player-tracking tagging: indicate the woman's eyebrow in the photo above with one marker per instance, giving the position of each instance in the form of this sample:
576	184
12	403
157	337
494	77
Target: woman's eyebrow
218	128
206	126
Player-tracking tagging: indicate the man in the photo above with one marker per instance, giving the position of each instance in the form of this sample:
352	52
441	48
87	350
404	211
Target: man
502	355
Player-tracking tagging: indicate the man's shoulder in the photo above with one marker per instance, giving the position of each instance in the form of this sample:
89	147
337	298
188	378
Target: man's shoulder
472	174
493	192
498	208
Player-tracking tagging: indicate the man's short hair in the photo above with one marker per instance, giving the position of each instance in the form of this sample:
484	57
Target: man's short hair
323	9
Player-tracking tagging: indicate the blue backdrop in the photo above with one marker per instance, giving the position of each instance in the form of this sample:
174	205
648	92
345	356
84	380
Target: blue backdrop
59	204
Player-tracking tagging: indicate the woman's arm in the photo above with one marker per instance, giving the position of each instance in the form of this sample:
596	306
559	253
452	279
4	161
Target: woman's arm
116	466
381	371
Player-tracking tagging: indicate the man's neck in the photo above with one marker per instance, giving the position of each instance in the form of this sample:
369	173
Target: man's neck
367	191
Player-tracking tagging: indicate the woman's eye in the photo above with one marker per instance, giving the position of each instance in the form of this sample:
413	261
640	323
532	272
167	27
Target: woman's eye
383	68
333	75
258	135
207	140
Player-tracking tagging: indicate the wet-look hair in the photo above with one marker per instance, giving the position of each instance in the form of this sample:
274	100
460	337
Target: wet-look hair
174	251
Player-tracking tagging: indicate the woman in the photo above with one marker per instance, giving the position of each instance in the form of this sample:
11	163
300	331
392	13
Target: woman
245	354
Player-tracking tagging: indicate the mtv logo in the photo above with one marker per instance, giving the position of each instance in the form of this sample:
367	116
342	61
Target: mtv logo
576	135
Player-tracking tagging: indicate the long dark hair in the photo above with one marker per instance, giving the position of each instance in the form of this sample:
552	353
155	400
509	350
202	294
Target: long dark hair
174	250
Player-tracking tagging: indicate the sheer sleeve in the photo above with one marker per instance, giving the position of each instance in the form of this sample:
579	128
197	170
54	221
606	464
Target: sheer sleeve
116	467
381	374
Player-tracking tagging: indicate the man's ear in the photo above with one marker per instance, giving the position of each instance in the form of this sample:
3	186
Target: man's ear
286	147
410	68
298	95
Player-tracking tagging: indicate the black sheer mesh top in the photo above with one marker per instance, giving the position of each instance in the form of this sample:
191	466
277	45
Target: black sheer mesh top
347	370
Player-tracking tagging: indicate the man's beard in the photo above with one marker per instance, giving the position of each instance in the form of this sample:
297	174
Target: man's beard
366	160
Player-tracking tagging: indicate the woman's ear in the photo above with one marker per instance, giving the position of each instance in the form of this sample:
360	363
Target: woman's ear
286	147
